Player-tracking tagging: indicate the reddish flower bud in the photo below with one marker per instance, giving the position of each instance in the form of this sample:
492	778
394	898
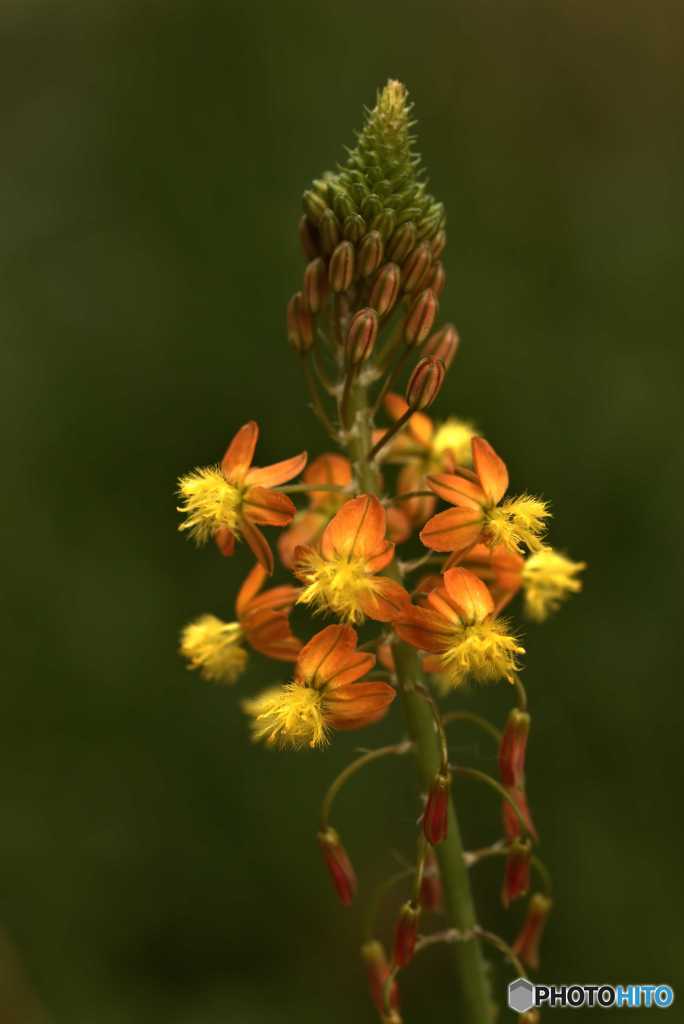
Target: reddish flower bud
405	934
425	383
338	864
378	971
443	345
526	946
341	269
439	244
300	331
384	222
315	284
363	330
512	748
385	289
516	881
416	266
435	815
437	280
354	228
314	206
511	822
420	318
329	230
431	883
308	237
402	241
371	251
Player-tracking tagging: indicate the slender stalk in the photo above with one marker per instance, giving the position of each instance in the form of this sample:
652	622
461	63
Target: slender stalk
352	769
469	964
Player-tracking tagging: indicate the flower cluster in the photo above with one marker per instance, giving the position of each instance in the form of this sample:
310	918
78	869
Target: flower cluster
368	523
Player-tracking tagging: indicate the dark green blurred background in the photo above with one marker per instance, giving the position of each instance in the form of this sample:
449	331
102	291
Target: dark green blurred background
155	867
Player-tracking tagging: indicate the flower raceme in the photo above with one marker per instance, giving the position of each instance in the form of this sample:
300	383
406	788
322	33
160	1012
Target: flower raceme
479	513
232	500
342	576
325	694
458	629
216	647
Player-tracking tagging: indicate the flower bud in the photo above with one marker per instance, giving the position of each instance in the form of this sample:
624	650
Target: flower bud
385	289
425	383
384	223
437	279
435	815
405	934
363	330
420	318
511	822
443	345
439	244
378	971
342	205
308	237
314	206
370	253
516	881
371	206
431	883
338	864
341	269
526	946
415	267
402	241
300	331
315	284
329	230
354	228
512	748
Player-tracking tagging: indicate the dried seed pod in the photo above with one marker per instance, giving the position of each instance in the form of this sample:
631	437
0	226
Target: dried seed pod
405	934
516	881
435	815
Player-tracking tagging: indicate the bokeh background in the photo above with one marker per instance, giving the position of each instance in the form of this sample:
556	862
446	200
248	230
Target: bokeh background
154	866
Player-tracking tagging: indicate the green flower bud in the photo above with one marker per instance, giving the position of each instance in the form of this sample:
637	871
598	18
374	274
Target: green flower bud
420	318
402	242
385	289
370	253
341	269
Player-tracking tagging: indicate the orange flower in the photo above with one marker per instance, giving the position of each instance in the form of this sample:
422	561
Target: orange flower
216	647
458	629
479	513
325	694
308	525
342	577
232	500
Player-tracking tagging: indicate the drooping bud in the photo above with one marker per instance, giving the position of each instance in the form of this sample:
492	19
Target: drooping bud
402	241
370	253
511	822
435	815
438	279
300	331
308	237
425	383
512	748
439	244
378	971
385	289
526	946
329	230
338	864
516	881
314	206
363	330
315	284
341	269
443	345
431	883
415	267
420	318
406	933
354	228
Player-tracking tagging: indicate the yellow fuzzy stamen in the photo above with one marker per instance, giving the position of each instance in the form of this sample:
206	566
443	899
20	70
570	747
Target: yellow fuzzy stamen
337	585
209	502
288	716
517	522
214	647
483	651
548	578
455	436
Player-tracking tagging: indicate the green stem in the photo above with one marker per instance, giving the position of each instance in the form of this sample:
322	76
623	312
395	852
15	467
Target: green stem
472	983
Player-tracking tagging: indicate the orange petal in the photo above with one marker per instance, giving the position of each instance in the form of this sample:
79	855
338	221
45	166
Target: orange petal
325	655
457	490
468	594
240	452
419	425
357	529
277	599
327	469
412	478
268	508
273	637
250	588
352	707
491	470
225	541
457	529
398	524
378	561
385	601
304	529
421	628
439	602
278	472
259	545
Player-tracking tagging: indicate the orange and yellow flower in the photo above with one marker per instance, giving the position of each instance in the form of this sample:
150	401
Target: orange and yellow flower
307	526
458	629
342	575
217	648
232	500
480	514
325	694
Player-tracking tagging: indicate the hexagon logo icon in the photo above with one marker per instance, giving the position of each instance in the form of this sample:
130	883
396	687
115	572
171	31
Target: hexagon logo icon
521	995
